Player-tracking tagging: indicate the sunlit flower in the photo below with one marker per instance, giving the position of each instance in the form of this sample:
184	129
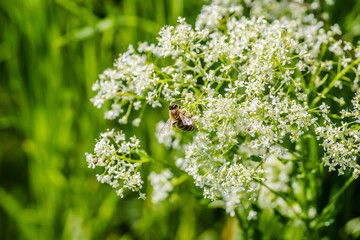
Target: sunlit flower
251	85
112	152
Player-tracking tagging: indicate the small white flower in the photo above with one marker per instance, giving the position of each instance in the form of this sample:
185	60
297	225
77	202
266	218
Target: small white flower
123	120
136	122
119	192
137	105
252	215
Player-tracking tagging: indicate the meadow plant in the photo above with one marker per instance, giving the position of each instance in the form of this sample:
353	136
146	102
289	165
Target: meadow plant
262	79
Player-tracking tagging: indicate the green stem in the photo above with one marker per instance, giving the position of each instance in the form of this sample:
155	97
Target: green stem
130	160
179	180
172	166
142	111
332	83
128	110
322	216
121	93
283	196
242	225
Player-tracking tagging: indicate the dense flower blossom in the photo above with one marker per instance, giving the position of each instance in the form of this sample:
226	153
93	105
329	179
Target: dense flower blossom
252	84
113	152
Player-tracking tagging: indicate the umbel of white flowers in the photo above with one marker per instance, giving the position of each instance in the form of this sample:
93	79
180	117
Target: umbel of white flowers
247	83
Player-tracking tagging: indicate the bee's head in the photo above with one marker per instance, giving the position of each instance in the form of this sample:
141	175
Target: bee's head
173	106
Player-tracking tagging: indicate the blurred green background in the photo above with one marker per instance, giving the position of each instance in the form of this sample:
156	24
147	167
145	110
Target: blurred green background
51	53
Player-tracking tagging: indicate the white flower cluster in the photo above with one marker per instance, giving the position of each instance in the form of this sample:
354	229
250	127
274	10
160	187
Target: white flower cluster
115	154
161	185
127	84
342	143
249	82
220	176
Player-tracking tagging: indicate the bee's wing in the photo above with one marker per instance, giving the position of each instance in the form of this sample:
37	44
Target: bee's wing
186	119
165	129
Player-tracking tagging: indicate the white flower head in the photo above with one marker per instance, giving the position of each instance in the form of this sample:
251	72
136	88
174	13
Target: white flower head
252	85
161	185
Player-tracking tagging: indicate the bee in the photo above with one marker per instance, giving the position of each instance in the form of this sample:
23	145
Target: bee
178	119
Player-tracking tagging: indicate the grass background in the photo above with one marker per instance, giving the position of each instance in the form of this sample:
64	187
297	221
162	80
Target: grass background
51	53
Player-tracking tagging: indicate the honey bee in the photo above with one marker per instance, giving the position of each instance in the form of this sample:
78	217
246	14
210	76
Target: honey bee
178	119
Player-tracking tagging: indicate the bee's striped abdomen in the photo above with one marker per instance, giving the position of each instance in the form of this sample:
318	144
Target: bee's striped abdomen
187	128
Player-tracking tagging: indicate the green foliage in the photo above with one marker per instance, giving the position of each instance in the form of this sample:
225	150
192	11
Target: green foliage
51	52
